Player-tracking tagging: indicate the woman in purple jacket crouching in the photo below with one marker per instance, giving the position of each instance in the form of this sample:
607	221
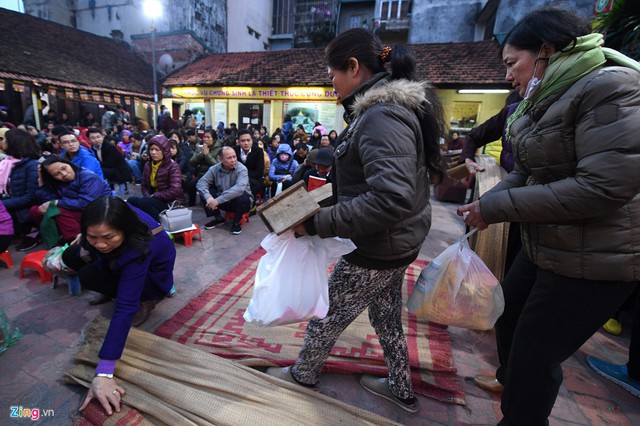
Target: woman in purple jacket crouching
123	254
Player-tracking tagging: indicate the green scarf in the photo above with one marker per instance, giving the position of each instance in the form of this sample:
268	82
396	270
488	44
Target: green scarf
567	67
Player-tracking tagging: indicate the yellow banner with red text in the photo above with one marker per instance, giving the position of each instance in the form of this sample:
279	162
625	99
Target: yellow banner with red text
267	93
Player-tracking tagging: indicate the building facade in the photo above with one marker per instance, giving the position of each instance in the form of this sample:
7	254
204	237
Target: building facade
443	21
250	25
303	23
206	19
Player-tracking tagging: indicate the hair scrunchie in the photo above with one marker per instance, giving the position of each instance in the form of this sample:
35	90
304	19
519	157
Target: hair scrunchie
386	53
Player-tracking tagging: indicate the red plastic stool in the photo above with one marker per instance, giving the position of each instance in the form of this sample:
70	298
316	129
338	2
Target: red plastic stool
5	256
231	215
34	261
188	235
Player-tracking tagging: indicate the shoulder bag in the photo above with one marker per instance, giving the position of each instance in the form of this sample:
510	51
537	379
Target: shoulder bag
176	218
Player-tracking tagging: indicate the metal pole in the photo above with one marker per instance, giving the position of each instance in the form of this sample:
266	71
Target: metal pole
155	84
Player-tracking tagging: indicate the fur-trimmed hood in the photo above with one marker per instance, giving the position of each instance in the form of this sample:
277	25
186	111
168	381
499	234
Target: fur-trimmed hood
410	94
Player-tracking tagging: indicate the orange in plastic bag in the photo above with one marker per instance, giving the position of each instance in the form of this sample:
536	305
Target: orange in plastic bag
458	289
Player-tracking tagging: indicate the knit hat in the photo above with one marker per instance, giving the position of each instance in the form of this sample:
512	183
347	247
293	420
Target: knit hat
324	157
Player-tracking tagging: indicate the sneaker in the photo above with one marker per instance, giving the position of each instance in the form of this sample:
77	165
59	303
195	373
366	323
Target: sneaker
615	373
27	244
613	326
378	386
236	229
172	292
212	224
284	373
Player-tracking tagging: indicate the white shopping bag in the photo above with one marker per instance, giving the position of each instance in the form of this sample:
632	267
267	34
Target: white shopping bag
291	279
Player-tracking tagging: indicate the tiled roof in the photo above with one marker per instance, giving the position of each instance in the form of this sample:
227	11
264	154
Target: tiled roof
461	64
53	54
447	64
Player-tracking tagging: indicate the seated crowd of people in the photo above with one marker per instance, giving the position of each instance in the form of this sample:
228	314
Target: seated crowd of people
49	176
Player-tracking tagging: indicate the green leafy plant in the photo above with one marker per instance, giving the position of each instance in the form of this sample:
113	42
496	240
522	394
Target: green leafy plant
621	27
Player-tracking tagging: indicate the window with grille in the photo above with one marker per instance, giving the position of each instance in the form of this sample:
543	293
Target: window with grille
394	9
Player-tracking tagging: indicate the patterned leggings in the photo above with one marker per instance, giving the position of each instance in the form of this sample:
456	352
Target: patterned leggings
351	290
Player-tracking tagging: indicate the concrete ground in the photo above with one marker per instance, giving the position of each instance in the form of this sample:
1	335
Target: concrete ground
52	323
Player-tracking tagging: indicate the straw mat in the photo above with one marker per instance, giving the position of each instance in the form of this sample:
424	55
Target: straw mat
173	384
94	415
213	322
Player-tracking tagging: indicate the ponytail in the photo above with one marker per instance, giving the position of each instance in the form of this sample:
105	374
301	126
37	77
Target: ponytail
402	63
432	126
431	115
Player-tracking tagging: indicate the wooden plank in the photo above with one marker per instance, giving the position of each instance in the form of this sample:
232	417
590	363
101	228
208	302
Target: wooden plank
491	243
323	194
288	209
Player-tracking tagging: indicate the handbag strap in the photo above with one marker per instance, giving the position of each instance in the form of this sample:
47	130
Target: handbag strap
171	206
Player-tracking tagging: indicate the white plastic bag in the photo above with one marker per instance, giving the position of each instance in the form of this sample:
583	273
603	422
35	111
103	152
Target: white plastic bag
291	279
458	289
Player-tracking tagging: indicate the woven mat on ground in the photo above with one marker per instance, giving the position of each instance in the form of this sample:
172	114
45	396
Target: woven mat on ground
94	415
213	322
174	384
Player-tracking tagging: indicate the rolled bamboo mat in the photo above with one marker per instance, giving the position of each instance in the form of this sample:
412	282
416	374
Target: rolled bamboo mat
174	384
491	243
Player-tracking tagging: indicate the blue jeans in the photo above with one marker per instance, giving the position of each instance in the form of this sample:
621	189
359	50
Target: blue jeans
136	170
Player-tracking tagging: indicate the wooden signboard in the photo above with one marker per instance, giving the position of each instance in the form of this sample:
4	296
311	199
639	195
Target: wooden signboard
291	207
322	195
491	243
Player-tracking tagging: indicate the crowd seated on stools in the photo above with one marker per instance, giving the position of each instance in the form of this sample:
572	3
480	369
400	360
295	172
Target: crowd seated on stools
120	154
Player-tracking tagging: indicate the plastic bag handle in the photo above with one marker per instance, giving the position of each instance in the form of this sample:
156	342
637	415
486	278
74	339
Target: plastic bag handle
468	234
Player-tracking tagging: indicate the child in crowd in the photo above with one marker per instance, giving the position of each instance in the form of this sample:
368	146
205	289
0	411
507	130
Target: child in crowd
283	166
125	142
